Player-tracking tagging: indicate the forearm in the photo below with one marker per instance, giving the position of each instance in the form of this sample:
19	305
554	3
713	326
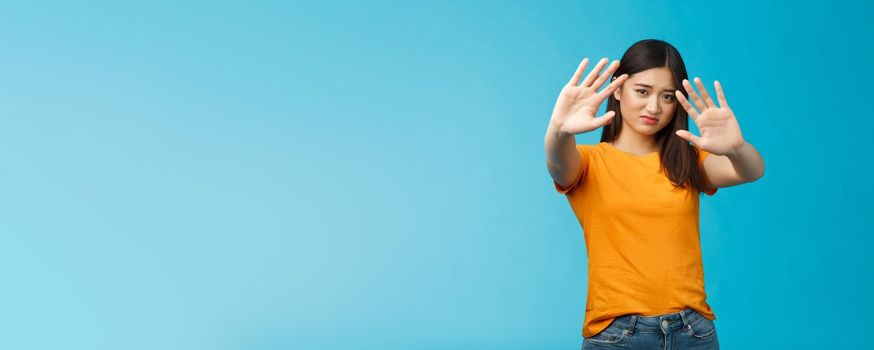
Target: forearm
747	162
561	148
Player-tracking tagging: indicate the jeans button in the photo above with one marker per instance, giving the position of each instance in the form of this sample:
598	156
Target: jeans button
664	323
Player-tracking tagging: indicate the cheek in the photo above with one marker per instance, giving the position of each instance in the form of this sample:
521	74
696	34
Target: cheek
632	102
628	106
667	120
668	109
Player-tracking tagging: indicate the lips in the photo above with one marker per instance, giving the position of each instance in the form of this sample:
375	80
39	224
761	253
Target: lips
649	120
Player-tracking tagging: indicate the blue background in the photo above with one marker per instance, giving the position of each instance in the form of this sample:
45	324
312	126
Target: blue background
320	175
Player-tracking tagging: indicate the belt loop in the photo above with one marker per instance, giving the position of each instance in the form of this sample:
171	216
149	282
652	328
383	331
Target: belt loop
631	324
683	316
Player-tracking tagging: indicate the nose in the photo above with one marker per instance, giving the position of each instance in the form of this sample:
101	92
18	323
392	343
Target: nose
652	106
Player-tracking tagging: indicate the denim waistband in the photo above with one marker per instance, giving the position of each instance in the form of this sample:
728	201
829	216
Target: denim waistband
665	323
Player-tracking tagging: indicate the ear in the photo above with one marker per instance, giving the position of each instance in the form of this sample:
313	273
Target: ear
618	92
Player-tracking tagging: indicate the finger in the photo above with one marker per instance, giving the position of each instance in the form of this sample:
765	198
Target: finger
723	103
605	119
694	96
706	96
613	86
685	135
594	73
607	74
685	103
579	73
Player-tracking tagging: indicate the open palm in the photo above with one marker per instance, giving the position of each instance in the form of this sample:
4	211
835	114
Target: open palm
576	106
720	132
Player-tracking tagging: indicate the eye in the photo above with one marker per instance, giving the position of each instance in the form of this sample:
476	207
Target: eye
669	98
642	91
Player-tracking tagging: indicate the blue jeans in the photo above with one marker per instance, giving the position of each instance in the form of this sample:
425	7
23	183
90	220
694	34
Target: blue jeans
682	330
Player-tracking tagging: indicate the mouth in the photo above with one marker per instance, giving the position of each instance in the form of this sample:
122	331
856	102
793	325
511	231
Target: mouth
649	119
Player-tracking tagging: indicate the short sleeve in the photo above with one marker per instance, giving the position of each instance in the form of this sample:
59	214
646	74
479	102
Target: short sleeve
701	155
580	174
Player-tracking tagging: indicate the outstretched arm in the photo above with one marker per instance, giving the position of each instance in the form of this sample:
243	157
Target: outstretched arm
574	113
733	161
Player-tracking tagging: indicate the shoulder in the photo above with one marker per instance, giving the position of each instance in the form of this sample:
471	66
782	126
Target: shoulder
597	148
702	154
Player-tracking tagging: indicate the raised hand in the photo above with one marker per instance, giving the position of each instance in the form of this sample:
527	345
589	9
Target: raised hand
720	132
576	106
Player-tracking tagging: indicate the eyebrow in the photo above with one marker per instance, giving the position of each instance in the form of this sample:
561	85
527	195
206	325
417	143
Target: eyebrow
650	87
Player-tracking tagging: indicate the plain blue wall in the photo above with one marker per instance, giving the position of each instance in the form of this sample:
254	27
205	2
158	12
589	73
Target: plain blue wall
257	175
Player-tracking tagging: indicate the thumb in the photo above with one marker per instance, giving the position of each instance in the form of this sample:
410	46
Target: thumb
606	118
685	135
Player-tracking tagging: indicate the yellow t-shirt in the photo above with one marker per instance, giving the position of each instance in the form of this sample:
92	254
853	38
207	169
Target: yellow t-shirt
641	236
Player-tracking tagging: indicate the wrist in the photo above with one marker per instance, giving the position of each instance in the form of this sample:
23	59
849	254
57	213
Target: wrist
737	151
556	127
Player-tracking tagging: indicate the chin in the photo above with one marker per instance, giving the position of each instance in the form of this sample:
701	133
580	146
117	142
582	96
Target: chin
647	131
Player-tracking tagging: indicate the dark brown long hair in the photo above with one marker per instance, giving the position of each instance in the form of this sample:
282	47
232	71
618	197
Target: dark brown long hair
679	159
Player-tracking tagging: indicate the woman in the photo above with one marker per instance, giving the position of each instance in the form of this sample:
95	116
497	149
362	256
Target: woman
636	193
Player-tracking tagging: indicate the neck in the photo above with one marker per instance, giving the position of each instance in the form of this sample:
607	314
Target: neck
632	142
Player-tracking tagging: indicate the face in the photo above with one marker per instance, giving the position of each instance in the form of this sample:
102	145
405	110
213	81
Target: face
649	93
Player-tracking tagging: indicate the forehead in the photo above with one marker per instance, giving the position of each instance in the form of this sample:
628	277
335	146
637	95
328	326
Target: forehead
659	78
